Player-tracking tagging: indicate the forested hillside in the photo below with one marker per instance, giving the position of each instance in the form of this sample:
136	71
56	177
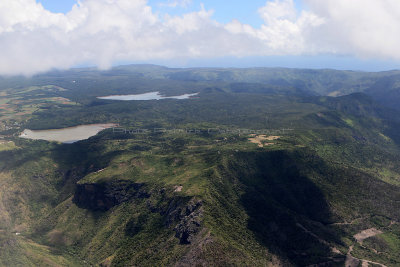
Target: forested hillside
279	167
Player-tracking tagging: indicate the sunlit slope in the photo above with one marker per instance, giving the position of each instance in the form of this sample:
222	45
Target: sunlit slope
320	172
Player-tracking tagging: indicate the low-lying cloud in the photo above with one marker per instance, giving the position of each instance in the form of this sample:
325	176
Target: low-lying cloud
102	32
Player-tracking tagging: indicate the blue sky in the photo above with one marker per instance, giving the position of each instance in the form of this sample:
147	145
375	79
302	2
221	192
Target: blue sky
237	9
244	11
61	6
338	34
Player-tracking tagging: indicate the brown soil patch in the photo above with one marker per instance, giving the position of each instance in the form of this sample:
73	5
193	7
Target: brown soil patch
260	140
178	188
360	237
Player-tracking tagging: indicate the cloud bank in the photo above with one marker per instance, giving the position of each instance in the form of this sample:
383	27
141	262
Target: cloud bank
102	32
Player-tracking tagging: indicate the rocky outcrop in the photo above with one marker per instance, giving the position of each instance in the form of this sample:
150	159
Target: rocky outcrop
104	196
189	221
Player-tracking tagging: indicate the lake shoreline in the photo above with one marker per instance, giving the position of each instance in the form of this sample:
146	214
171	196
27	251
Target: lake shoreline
67	135
145	97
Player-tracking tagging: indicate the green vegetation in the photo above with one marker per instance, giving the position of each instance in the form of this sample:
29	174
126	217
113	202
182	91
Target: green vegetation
7	145
382	248
20	251
183	185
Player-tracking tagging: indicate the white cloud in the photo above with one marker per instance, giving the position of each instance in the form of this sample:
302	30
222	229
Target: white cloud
176	3
284	31
101	32
366	28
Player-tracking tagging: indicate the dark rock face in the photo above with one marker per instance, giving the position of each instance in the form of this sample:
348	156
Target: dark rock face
104	196
189	223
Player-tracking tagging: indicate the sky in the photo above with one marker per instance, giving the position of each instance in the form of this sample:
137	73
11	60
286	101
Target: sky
41	35
245	11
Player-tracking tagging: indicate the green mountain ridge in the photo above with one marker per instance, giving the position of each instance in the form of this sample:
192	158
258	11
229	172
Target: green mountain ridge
285	177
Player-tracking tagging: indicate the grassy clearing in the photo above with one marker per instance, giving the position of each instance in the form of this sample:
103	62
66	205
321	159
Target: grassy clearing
389	176
7	145
349	122
25	252
20	104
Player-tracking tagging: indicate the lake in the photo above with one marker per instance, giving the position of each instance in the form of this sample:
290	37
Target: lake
145	96
67	135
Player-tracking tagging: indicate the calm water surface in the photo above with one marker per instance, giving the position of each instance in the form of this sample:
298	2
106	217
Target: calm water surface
146	96
67	135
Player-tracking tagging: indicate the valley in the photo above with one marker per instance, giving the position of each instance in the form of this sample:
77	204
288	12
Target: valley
260	167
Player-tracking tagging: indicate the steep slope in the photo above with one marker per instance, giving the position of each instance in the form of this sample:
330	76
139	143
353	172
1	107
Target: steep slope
386	90
213	204
298	189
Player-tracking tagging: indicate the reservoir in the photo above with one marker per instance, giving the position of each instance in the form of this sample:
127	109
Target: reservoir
145	96
67	135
